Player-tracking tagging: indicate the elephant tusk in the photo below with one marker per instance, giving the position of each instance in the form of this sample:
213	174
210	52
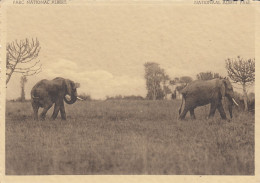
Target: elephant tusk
234	101
68	97
80	98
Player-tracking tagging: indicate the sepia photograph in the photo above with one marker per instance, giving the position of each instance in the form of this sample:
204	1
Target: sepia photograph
116	88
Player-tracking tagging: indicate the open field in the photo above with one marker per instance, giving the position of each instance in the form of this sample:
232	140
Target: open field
128	137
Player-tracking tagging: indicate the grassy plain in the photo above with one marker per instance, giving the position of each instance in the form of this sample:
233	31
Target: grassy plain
128	137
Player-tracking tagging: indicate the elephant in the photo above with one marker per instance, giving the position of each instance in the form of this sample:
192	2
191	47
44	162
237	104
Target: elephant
203	92
45	93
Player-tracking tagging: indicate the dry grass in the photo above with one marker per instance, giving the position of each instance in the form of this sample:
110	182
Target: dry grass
128	137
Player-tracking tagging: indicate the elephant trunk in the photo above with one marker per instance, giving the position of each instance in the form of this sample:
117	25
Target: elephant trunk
73	99
71	91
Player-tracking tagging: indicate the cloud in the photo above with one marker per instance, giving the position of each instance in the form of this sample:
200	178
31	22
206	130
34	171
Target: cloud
61	67
98	83
179	72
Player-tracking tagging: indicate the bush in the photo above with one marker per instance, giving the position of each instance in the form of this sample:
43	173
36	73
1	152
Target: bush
85	96
120	97
133	97
19	100
117	97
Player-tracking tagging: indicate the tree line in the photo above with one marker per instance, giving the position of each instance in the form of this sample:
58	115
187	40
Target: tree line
239	70
21	57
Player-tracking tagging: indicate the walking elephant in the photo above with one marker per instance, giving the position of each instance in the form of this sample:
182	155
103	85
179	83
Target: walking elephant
48	92
199	93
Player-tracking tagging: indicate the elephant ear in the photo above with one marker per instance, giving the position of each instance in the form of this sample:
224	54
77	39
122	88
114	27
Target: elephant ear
68	86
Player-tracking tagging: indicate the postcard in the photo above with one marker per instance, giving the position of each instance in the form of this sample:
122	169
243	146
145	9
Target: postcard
132	91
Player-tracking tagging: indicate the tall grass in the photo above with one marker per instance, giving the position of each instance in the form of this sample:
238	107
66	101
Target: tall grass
128	137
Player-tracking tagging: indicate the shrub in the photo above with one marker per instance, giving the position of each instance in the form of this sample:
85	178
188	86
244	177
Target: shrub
120	97
85	96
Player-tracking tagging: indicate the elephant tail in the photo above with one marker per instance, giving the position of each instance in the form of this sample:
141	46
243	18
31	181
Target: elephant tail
181	104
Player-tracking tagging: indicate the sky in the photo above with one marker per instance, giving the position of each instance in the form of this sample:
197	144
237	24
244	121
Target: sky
104	46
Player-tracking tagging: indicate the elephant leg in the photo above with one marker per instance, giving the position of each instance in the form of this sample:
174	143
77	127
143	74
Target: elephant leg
45	109
230	105
222	111
62	112
56	111
192	114
230	112
183	114
35	110
212	111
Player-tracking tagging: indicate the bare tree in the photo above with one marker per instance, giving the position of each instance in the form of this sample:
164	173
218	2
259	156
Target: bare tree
243	72
20	58
23	81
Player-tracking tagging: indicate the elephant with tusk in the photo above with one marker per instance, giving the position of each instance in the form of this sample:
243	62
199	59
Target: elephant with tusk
200	93
48	92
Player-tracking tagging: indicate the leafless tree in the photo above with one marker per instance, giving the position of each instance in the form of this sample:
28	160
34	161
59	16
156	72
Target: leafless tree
20	58
243	72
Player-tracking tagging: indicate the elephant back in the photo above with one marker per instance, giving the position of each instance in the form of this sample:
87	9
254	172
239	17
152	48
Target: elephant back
192	87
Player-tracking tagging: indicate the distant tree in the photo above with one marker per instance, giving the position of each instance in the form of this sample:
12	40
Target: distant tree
174	94
117	97
22	82
166	90
207	76
179	88
242	71
85	96
181	83
174	81
165	86
155	78
185	80
20	58
133	97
